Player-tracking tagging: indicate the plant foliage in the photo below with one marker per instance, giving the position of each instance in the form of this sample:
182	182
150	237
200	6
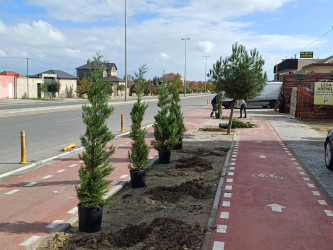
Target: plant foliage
240	75
176	109
138	156
165	126
96	166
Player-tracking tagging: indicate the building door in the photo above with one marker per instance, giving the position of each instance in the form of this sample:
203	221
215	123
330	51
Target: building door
10	90
39	92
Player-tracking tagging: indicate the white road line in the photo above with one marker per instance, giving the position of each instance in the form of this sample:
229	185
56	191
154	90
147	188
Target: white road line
227	195
29	241
228	187
231	173
221	229
263	156
61	170
226	204
306	178
232	163
31	184
322	202
54	223
47	177
224	215
234	156
299	168
13	191
232	168
230	180
218	245
233	159
311	185
73	210
329	213
124	176
71	166
316	193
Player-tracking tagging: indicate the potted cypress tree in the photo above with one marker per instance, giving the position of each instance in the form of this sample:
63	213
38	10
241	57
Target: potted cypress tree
176	109
138	156
95	168
165	126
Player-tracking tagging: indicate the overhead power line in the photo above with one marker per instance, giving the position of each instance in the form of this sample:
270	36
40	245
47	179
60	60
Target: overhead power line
315	40
32	59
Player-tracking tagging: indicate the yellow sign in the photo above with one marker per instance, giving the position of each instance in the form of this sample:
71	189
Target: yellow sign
307	54
323	93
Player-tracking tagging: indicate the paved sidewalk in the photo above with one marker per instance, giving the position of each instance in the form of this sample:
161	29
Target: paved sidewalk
268	201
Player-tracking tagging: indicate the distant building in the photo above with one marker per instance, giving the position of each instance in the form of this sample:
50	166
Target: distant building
7	84
171	76
31	87
109	75
302	66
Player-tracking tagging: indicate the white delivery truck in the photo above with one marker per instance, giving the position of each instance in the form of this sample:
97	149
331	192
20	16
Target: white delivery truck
267	98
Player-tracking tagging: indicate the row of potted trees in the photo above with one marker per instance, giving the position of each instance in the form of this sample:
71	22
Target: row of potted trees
168	132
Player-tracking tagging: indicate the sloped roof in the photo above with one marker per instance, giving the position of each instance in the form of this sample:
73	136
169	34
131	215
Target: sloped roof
60	74
327	60
170	76
90	65
11	73
113	79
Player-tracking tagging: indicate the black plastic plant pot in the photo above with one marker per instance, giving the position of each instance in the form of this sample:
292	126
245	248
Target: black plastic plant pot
164	157
90	219
179	145
138	178
217	115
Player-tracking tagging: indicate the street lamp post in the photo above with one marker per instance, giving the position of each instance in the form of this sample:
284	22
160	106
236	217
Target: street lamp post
206	74
185	39
125	55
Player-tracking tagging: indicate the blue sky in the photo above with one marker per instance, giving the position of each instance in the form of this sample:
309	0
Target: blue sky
65	34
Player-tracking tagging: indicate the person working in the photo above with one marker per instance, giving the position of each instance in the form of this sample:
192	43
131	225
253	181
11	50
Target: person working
242	105
214	106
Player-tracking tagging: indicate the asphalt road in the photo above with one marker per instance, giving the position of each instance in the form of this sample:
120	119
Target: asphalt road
49	130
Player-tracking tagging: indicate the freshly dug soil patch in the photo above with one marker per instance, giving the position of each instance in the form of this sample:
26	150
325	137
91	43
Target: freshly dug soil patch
170	213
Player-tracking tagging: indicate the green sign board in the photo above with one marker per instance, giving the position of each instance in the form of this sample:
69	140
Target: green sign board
307	54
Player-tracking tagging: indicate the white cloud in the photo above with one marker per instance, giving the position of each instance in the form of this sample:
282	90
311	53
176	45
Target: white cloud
164	55
2	53
2	27
36	33
206	46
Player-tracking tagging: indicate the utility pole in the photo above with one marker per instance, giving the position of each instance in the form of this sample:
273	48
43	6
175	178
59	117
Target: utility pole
27	77
185	39
206	74
125	54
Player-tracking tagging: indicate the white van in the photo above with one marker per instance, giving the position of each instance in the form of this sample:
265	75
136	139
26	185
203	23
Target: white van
266	98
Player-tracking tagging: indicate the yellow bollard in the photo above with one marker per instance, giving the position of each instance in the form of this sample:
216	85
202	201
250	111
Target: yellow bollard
23	156
68	147
122	123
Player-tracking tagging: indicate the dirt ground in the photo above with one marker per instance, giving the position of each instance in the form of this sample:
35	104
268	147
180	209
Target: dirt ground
171	212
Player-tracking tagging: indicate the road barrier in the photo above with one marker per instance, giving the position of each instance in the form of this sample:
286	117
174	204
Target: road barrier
122	123
68	147
23	153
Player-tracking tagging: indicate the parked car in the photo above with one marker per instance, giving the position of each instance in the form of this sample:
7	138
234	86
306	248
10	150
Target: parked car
267	98
329	150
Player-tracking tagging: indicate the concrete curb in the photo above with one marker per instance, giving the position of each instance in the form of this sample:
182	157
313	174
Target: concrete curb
213	213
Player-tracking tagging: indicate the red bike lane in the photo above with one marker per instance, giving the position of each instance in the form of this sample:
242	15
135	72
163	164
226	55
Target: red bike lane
268	200
43	201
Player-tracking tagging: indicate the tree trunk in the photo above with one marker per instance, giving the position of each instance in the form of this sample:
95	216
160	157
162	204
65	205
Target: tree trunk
230	117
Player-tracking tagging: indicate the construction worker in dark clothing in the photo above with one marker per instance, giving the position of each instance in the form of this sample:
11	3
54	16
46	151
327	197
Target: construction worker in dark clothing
214	106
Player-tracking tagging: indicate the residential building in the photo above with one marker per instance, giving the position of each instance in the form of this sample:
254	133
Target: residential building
7	84
109	75
31	87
